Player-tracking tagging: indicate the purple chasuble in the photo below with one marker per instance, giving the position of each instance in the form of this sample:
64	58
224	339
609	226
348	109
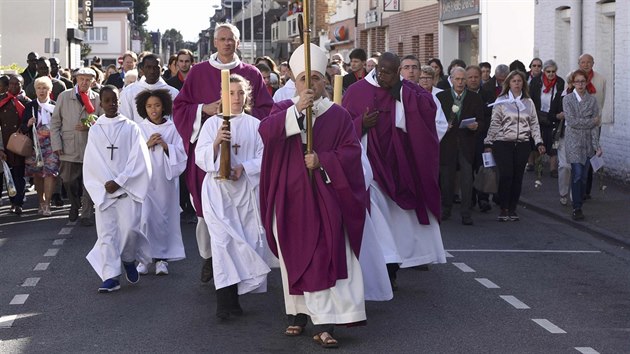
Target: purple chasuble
312	216
203	86
405	164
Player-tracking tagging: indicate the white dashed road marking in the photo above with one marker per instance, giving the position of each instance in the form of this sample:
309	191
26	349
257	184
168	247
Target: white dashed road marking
59	242
2	241
52	252
512	300
464	268
31	281
19	299
487	283
41	266
550	327
7	321
65	231
586	350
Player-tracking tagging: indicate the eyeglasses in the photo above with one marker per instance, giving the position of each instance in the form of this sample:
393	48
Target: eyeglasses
581	82
550	71
536	66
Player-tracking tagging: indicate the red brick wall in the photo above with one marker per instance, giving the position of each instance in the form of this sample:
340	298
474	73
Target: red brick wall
418	22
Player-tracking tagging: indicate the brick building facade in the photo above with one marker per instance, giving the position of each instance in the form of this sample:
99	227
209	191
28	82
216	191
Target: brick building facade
415	32
565	29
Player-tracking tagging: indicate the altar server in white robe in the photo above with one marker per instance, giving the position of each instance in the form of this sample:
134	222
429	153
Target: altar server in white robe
230	206
152	80
116	174
160	215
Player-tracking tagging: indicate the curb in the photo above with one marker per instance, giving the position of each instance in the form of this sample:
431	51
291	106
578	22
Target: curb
584	226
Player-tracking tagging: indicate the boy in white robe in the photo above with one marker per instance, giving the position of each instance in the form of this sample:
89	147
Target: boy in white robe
230	206
116	174
160	215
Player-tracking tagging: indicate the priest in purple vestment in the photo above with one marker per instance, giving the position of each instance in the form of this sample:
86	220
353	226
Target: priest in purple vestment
314	225
396	121
198	100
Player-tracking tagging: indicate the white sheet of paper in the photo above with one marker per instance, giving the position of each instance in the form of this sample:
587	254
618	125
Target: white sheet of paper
597	162
466	122
488	159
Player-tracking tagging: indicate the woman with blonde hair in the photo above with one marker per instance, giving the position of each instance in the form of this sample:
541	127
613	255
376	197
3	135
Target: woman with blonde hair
514	122
43	164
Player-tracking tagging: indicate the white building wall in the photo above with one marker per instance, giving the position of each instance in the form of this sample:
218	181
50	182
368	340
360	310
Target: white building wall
601	30
507	31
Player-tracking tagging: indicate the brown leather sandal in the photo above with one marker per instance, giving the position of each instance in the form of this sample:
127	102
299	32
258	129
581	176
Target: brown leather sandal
326	340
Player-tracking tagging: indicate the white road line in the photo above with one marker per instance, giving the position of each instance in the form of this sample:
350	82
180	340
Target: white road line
448	255
52	252
487	283
586	350
41	266
550	327
526	251
7	321
19	299
3	241
464	268
512	300
65	231
31	281
59	242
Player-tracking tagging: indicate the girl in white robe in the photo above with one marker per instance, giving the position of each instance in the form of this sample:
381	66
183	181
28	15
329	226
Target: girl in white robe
240	254
160	210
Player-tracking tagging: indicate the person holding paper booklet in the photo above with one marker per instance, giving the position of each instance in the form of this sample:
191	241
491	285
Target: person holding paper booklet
457	148
514	122
582	116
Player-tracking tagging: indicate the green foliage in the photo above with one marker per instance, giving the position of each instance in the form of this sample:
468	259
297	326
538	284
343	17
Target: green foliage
13	66
141	12
86	49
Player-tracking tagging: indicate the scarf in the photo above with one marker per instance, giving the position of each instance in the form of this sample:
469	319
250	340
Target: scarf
45	112
85	100
180	76
589	85
510	99
19	107
549	84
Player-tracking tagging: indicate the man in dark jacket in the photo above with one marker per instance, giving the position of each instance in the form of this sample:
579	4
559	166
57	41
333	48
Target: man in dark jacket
464	111
358	57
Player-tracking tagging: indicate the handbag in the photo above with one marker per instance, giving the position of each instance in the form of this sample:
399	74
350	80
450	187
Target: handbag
486	180
20	144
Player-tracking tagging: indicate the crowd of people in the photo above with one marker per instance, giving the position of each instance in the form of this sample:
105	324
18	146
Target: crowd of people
339	215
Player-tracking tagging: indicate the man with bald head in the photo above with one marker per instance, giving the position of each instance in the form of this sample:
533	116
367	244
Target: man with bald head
396	122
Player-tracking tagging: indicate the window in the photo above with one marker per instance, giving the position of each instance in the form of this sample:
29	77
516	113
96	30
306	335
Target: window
96	34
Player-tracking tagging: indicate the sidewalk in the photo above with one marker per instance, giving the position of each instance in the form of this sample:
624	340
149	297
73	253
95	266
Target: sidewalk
607	213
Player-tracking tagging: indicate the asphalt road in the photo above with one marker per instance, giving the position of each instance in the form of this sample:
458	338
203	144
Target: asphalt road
534	286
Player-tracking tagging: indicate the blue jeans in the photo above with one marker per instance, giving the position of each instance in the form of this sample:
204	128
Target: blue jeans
579	174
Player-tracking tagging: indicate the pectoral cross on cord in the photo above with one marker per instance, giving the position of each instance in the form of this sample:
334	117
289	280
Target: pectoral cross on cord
111	146
235	147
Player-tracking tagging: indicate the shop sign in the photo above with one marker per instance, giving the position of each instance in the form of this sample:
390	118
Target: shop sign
372	19
391	5
450	9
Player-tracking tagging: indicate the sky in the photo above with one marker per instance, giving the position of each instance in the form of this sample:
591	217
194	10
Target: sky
189	17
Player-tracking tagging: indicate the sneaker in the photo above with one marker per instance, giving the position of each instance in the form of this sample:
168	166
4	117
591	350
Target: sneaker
577	214
564	201
504	216
513	216
161	268
130	272
109	285
142	268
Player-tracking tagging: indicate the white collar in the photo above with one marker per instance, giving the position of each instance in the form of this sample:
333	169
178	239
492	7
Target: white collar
214	61
509	98
577	95
320	106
